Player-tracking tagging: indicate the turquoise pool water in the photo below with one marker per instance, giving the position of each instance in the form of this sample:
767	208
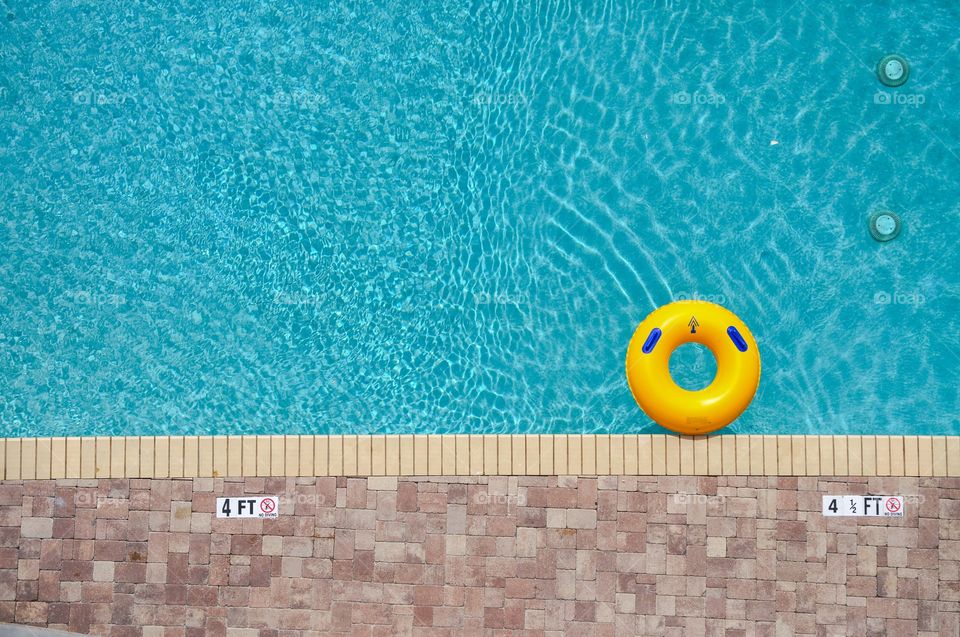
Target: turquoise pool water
450	217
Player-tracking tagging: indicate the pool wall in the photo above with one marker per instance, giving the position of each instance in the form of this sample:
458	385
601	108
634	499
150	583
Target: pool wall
528	556
461	455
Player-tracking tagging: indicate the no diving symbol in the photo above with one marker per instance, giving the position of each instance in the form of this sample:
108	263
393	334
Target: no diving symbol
267	505
893	505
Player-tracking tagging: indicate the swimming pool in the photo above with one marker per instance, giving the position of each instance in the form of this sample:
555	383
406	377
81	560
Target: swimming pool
377	218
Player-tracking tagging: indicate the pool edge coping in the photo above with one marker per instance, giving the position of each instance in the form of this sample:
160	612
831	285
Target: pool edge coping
476	455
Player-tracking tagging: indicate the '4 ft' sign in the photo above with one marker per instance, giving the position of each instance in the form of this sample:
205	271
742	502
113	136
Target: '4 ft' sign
883	506
248	507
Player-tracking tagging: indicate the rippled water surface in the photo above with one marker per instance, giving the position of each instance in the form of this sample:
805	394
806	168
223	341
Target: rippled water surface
448	217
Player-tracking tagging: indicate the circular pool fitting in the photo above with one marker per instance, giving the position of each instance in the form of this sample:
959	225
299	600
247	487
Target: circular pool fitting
884	225
893	70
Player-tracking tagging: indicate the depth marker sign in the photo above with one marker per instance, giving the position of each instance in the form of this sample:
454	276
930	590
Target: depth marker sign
872	506
260	507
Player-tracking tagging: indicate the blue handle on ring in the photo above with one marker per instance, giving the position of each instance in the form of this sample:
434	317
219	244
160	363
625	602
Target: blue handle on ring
737	338
651	341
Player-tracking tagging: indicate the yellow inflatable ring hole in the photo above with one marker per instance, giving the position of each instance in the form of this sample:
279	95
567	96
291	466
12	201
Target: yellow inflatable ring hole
648	366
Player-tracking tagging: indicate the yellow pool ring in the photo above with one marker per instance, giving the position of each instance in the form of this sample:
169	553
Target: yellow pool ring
648	366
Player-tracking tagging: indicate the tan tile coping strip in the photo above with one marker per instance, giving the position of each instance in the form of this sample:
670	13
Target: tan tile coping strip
405	455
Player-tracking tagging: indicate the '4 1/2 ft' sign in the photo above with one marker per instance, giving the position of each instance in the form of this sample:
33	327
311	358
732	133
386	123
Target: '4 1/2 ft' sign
879	506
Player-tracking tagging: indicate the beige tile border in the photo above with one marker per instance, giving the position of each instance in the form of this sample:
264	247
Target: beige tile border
645	454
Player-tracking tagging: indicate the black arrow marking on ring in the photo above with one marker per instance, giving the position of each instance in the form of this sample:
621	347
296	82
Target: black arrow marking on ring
693	324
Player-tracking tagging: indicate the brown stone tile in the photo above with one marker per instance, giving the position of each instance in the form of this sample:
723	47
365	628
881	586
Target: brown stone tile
599	547
246	545
76	570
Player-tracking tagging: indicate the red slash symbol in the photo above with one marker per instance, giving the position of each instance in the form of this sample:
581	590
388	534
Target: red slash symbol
267	505
893	505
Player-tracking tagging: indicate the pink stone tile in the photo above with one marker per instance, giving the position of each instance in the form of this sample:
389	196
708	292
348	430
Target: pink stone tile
459	555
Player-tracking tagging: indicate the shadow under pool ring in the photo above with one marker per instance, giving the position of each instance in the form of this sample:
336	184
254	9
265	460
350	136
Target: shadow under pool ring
648	366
